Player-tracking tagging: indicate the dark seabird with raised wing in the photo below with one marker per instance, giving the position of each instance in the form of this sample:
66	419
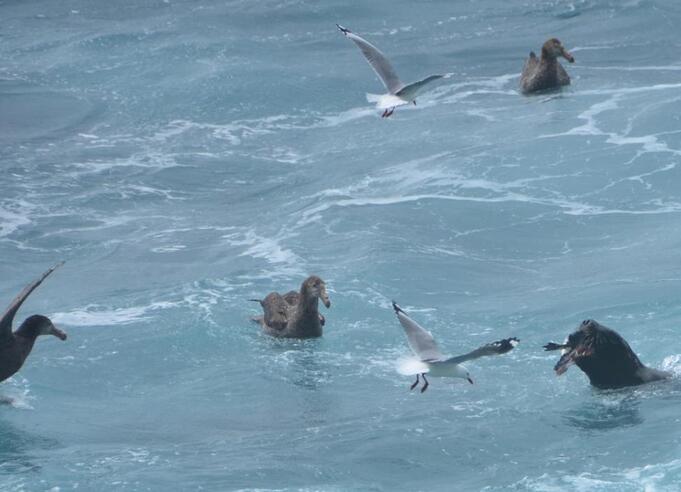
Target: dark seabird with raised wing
540	74
429	360
295	314
15	346
398	93
604	356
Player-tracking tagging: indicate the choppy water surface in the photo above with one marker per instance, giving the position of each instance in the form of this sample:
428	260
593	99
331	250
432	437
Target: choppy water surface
184	157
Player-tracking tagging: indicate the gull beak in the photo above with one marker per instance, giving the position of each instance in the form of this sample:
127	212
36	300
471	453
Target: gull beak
469	379
57	333
568	56
325	298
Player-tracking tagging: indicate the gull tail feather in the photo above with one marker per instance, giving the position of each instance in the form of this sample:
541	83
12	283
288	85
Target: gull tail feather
385	101
410	366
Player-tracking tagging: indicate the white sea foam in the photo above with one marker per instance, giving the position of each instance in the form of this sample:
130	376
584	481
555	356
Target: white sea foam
567	206
433	250
104	222
171	248
620	91
396	184
647	477
147	160
672	363
284	155
236	132
14	215
269	249
649	143
16	393
96	315
644	68
136	190
589	116
204	301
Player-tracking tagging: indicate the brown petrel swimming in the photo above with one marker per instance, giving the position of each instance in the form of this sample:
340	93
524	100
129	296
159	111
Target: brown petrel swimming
540	74
295	314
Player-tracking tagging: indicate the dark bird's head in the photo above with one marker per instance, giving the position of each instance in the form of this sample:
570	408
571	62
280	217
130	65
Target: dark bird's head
314	287
553	48
37	325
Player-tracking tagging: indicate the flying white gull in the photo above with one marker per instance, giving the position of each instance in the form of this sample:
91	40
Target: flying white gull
398	93
430	360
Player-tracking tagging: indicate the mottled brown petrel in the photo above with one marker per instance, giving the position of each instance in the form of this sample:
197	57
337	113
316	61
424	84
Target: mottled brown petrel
540	74
295	314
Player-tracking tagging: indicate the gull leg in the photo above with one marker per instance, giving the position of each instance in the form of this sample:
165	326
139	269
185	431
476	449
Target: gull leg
425	386
415	383
414	101
390	112
385	113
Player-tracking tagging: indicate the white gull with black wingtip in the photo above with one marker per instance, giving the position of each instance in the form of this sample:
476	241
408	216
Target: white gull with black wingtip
398	93
429	360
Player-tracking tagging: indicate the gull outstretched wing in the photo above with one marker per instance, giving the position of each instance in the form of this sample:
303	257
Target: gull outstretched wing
377	60
420	340
495	348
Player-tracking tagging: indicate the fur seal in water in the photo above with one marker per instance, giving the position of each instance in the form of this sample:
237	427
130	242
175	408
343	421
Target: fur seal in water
540	74
15	346
604	356
295	314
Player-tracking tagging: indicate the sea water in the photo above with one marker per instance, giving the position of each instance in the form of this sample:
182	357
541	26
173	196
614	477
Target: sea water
186	156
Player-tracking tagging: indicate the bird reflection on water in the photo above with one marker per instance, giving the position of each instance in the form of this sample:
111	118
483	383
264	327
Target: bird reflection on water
17	448
620	408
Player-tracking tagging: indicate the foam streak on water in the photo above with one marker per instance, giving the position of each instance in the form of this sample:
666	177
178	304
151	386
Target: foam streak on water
187	156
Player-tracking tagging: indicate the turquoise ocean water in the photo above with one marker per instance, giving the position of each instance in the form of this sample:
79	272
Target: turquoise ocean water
185	156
